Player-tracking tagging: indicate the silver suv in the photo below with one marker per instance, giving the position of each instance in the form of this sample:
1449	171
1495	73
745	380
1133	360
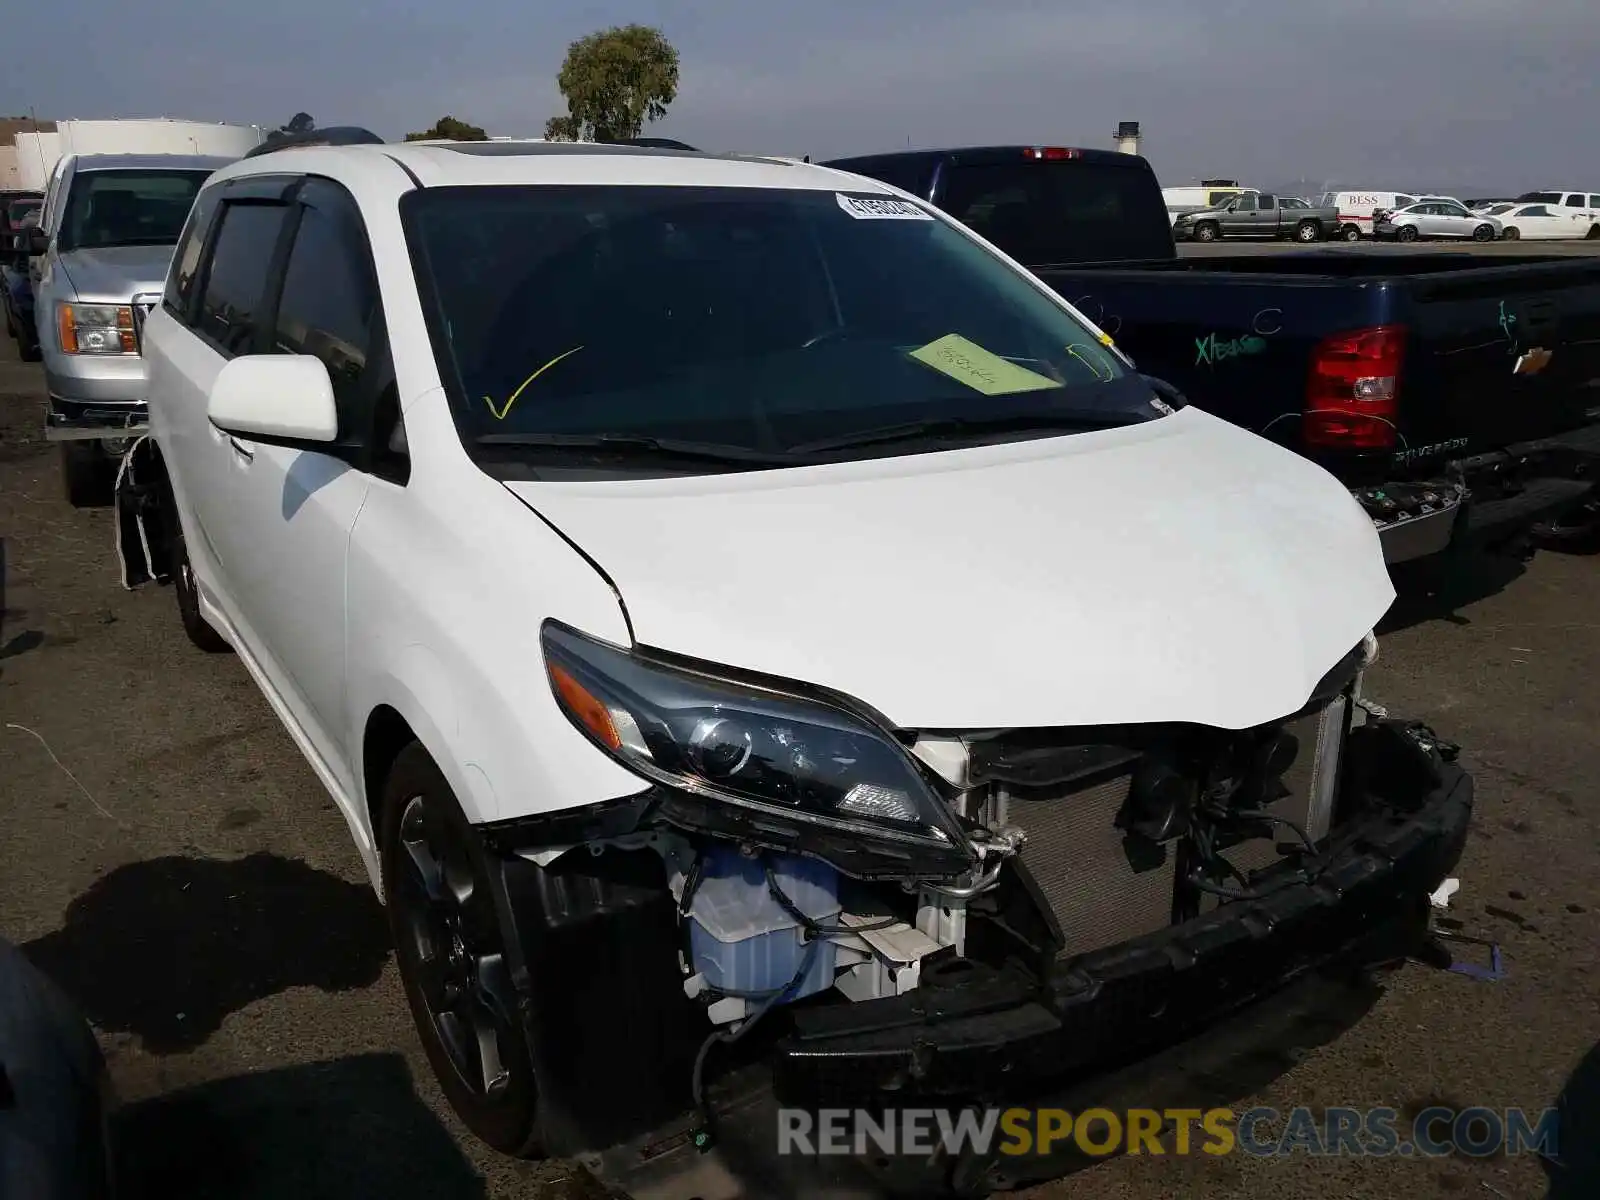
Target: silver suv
97	262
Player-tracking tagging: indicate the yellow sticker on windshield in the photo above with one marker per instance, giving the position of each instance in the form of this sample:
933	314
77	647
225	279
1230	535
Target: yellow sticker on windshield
965	360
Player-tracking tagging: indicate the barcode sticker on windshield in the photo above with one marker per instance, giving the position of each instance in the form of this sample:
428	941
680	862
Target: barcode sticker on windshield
881	208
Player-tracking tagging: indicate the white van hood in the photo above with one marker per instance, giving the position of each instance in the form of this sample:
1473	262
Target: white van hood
1178	570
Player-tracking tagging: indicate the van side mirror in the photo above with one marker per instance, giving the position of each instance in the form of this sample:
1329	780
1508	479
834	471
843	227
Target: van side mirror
280	399
36	242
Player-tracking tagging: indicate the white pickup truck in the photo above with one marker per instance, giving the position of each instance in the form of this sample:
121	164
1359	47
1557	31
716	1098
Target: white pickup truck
97	262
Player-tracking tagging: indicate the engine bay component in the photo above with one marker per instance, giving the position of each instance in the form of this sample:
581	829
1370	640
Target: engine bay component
750	921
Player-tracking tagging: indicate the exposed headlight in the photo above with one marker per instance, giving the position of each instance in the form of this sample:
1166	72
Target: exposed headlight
95	328
762	750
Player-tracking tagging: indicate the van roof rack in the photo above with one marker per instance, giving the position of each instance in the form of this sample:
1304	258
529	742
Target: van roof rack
337	135
656	143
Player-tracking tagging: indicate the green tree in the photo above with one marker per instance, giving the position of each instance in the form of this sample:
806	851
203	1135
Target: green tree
448	129
614	81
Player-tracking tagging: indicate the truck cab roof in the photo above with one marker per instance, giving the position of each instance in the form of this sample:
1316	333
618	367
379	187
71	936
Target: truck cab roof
1040	204
146	162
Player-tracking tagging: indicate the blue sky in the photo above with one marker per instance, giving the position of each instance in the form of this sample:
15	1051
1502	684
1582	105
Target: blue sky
1403	93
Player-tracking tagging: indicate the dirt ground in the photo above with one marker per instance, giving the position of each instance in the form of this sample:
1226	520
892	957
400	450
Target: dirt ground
169	858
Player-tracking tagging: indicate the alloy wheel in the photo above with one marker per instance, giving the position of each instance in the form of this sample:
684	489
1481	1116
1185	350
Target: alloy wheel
452	938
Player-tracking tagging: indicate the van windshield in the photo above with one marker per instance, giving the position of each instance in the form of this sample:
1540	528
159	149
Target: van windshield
109	208
759	319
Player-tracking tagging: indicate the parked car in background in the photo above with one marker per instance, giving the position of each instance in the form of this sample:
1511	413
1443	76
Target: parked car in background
1451	393
1260	214
16	289
1357	209
98	261
1578	213
1582	207
1446	219
1498	209
1477	202
1190	199
16	205
1542	222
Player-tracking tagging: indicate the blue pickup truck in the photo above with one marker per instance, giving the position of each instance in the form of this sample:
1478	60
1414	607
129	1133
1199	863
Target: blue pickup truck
1456	395
17	210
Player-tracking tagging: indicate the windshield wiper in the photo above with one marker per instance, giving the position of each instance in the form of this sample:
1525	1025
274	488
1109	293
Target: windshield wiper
644	446
968	426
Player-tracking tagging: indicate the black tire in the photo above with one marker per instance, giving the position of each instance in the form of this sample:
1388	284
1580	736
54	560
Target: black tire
1406	233
1308	231
1351	233
1483	233
86	475
1207	231
1510	233
53	1134
184	588
437	890
1593	235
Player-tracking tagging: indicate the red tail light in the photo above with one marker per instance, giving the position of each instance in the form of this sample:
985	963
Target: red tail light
1051	153
1352	395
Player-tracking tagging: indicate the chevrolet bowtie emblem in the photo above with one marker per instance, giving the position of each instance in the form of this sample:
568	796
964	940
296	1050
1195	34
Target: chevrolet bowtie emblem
1531	362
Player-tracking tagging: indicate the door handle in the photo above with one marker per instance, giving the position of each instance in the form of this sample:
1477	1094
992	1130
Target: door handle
241	449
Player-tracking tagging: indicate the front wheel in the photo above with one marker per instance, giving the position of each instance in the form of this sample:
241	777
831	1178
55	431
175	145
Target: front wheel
1206	231
451	951
1406	233
1511	233
1307	231
1351	233
1483	233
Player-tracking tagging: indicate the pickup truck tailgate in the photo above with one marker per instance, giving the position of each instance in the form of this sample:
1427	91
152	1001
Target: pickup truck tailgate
1501	355
1238	336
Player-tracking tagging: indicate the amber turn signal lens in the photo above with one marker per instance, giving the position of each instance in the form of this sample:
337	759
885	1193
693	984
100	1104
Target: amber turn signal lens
582	704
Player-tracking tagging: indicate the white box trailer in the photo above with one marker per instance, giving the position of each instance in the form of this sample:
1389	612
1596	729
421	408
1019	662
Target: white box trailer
38	153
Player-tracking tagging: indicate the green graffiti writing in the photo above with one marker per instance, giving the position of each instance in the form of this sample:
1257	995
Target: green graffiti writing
1211	349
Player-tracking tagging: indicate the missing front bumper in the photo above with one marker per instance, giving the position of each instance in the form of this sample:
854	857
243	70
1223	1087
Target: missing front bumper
1141	1012
999	1028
